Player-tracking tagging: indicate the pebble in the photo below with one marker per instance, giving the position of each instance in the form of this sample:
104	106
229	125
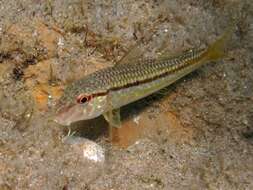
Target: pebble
86	148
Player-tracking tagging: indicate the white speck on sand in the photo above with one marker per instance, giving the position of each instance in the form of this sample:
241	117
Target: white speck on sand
137	119
60	42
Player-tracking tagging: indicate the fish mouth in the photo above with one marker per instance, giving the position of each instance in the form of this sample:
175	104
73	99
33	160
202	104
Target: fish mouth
69	114
59	121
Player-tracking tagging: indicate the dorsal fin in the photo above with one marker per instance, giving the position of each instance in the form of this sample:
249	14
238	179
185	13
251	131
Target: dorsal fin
133	54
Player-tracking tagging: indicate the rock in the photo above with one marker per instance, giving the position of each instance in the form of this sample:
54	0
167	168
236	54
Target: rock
86	148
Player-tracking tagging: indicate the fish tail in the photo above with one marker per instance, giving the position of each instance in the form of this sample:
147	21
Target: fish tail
217	50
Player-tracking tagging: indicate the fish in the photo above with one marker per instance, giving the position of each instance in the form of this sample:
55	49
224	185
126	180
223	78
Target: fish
105	91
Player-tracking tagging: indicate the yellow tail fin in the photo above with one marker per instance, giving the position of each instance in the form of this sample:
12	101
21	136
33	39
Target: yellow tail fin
217	49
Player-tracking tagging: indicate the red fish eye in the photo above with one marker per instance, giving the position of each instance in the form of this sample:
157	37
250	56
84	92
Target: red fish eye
81	99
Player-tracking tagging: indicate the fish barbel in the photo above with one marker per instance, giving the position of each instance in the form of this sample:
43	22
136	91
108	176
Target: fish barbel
105	91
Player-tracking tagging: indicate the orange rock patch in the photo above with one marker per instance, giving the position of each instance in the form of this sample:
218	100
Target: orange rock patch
37	79
167	122
44	94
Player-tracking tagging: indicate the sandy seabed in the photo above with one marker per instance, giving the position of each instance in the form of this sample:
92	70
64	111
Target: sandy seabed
197	134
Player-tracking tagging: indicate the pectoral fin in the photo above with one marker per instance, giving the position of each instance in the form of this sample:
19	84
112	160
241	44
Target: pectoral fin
113	118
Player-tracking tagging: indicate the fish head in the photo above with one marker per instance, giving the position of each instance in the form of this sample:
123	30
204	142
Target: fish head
76	105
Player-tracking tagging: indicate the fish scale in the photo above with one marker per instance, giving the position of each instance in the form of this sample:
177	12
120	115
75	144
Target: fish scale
123	75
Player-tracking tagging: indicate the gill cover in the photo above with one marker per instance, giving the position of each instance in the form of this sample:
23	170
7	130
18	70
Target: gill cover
83	109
